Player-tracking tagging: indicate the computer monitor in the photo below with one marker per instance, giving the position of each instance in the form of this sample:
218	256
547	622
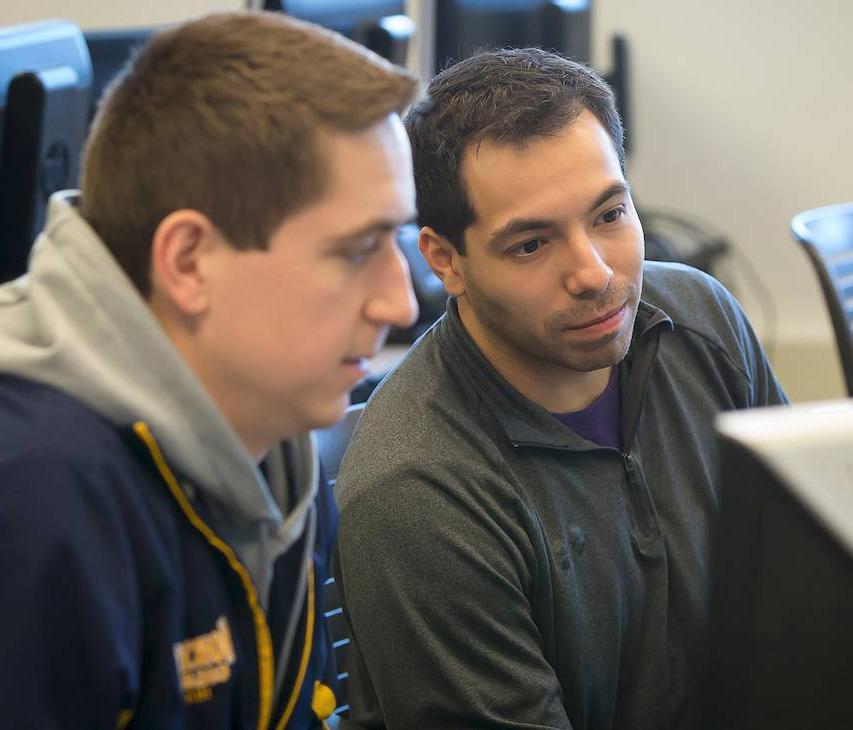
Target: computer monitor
780	642
110	51
464	27
380	25
45	87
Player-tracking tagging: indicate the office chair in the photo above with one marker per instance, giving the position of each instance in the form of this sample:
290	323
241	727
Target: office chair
827	236
332	443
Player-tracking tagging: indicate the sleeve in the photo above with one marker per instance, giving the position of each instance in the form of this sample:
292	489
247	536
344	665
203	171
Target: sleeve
714	312
764	388
436	592
703	305
69	618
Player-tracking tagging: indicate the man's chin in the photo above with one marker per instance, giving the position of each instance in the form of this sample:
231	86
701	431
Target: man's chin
315	416
595	357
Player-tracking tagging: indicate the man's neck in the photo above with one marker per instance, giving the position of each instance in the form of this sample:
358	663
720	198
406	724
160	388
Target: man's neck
557	388
180	332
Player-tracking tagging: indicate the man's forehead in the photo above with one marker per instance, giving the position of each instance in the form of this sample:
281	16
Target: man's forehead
369	172
483	157
580	145
517	145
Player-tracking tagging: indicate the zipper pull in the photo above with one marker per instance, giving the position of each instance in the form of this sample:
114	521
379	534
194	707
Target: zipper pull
631	470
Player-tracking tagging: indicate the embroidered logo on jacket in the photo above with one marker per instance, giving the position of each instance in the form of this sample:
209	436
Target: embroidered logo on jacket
205	661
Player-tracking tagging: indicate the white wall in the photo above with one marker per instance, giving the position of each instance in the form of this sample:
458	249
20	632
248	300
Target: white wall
93	14
743	114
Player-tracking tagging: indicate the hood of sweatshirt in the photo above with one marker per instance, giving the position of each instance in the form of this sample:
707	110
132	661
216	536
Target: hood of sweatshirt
75	322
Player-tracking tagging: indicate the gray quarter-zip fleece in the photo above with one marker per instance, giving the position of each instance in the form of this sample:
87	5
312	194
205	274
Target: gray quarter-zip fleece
500	571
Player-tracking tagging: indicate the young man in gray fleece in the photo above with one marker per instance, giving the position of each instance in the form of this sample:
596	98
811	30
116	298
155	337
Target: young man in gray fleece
525	506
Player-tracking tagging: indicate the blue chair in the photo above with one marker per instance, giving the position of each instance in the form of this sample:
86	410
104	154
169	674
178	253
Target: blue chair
826	234
332	443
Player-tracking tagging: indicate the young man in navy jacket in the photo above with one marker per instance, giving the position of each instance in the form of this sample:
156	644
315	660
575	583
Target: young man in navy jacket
209	297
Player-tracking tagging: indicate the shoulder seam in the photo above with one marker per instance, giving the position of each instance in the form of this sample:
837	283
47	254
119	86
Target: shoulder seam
718	347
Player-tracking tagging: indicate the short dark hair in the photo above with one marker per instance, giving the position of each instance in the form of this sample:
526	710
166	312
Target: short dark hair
226	115
507	97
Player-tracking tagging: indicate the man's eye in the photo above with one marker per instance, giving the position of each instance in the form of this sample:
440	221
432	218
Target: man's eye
528	247
362	252
613	215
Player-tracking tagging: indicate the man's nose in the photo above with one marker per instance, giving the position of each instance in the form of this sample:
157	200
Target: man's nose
393	302
587	274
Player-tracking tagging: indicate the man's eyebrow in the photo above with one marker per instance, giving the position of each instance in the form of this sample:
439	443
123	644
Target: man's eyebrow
618	188
516	226
522	225
374	226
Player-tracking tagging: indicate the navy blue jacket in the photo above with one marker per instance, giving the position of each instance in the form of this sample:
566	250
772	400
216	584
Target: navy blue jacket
120	607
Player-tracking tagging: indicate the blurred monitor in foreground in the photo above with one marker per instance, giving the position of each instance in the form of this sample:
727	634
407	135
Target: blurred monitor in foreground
45	93
781	622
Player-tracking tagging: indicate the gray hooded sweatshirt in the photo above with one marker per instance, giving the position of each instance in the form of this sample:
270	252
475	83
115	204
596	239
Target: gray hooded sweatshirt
75	322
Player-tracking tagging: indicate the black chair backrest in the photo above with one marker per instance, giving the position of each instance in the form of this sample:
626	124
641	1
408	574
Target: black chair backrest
827	236
332	443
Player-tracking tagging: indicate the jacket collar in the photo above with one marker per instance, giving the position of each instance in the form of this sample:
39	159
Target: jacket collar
526	423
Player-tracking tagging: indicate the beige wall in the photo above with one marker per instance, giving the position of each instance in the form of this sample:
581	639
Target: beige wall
93	14
742	116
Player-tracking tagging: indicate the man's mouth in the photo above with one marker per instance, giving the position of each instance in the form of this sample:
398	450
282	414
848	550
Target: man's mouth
613	314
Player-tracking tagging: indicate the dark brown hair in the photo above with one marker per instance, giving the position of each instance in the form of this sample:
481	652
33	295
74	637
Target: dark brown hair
226	115
508	97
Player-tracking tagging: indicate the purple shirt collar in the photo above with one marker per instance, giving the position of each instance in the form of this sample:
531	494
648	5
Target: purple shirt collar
601	420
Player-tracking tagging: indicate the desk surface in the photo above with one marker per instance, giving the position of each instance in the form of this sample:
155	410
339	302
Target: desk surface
388	357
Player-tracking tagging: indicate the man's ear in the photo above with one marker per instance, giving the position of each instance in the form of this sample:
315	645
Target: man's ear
443	259
182	242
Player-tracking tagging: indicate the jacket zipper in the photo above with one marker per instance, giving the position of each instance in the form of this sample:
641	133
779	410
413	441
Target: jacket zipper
647	530
262	632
